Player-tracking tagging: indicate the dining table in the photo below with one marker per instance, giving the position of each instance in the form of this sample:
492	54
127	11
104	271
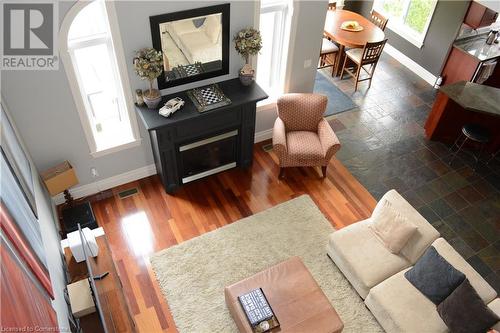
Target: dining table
351	39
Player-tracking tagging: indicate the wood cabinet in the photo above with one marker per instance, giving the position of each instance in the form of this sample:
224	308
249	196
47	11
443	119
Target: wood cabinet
187	129
459	67
479	16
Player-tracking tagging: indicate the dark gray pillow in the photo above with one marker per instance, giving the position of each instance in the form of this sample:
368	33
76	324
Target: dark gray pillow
465	312
434	277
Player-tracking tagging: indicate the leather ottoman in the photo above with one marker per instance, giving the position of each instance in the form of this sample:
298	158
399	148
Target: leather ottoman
293	294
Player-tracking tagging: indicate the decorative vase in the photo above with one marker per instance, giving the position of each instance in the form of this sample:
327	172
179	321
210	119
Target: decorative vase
152	98
139	99
247	75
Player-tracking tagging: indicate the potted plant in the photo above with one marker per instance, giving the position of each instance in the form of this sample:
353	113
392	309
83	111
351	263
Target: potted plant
248	42
148	65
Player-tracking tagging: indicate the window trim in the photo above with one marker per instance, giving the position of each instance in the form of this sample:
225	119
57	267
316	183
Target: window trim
403	31
66	58
284	8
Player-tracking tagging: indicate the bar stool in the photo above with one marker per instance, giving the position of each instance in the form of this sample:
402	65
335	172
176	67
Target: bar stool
474	133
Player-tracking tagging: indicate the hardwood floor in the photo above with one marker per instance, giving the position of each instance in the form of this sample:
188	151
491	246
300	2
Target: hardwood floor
151	220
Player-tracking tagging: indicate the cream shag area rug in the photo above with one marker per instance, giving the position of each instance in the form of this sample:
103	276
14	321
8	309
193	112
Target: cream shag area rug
192	275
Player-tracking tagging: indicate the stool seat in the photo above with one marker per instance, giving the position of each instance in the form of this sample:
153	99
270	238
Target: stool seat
476	133
328	47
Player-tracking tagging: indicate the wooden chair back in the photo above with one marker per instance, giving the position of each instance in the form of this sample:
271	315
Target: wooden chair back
332	5
378	19
372	52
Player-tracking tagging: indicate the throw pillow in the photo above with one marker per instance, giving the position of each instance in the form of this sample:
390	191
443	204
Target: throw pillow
391	228
434	277
465	312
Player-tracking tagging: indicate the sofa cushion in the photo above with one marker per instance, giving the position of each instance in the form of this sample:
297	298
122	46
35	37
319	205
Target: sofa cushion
391	228
465	312
425	234
400	307
434	277
495	307
362	257
485	291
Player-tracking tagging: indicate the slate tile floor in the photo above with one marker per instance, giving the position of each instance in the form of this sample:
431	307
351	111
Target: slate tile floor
383	145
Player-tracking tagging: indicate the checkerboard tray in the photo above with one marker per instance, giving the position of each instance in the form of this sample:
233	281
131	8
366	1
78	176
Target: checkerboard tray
208	98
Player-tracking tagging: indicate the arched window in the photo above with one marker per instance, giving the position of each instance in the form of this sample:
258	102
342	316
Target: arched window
98	78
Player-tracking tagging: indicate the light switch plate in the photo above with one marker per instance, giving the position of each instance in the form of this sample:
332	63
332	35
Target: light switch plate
307	63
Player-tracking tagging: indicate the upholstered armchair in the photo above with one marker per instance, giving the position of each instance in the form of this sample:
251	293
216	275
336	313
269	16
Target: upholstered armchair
301	136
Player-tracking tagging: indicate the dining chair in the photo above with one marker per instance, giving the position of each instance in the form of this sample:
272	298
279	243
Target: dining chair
368	55
328	55
378	19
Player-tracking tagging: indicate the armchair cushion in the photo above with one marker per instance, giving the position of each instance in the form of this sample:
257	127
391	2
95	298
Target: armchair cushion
304	146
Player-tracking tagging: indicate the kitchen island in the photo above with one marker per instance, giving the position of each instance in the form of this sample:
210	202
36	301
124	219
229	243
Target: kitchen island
468	61
463	103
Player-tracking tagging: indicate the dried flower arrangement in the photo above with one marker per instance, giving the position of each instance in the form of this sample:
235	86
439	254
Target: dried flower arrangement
248	42
148	65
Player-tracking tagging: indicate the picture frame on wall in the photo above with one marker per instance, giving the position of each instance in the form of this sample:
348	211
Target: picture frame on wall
21	226
17	158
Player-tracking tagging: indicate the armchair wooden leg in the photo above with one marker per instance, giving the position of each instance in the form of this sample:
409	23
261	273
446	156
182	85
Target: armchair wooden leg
282	173
323	170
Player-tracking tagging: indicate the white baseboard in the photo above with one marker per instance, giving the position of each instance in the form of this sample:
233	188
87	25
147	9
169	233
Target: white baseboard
107	183
410	64
263	135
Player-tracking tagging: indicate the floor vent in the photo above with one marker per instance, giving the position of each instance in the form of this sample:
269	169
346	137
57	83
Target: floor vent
268	148
128	193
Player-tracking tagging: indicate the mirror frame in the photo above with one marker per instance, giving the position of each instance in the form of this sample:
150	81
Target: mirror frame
155	22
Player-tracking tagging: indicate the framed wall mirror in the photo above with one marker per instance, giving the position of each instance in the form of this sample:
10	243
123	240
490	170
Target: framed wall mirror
194	43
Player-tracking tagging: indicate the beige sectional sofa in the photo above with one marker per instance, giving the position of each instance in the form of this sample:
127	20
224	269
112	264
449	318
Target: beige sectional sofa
378	275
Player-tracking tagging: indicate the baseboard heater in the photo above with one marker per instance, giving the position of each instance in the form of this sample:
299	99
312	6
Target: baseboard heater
208	156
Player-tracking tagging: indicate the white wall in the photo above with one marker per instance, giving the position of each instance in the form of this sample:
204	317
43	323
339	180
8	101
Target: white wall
306	44
46	115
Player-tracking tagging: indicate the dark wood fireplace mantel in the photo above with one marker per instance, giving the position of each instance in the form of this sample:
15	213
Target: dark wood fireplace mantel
188	126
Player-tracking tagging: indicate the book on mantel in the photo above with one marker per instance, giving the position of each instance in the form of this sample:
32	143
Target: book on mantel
258	311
